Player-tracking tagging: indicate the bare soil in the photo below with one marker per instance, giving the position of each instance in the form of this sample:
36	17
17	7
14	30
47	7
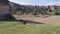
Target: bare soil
49	20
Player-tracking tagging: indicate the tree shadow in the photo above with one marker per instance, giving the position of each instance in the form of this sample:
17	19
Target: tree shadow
30	22
24	21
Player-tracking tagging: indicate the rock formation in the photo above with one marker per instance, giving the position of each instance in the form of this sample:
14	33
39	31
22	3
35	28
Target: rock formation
31	8
5	14
51	10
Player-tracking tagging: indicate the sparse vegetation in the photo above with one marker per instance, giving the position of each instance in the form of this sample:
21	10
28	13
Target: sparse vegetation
44	12
57	12
21	12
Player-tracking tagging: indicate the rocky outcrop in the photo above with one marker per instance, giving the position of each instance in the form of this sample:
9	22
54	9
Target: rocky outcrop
4	2
30	8
5	14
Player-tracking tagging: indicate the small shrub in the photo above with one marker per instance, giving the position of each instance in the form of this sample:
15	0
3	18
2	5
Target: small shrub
57	12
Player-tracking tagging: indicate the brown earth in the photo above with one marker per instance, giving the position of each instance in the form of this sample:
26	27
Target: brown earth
49	20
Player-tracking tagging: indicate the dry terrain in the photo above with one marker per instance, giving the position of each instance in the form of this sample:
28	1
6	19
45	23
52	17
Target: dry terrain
49	20
35	25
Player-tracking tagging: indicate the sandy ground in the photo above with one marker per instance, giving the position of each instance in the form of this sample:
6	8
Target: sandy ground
52	20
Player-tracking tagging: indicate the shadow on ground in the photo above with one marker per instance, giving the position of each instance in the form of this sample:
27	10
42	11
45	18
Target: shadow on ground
30	22
24	21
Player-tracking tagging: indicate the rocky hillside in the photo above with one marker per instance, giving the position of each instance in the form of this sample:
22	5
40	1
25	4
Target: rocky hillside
27	7
31	8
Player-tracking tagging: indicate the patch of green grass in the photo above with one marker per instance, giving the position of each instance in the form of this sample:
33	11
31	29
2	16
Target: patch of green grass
14	28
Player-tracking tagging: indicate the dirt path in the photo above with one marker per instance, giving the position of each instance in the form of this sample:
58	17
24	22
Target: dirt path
52	20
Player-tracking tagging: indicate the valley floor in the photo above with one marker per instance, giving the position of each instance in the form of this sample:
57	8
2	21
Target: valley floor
35	25
49	20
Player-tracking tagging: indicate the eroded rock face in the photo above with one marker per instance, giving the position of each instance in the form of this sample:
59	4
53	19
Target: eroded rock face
5	14
51	10
4	2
